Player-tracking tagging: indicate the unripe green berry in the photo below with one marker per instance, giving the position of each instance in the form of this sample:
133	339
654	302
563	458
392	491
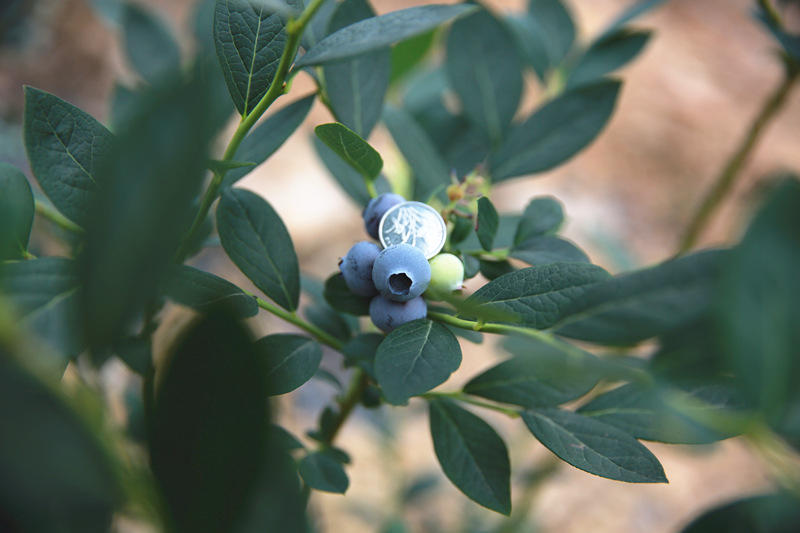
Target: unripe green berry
447	275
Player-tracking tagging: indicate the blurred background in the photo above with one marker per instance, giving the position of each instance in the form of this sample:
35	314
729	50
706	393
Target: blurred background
686	103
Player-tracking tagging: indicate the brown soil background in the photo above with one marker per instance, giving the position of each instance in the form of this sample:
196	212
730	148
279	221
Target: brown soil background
686	102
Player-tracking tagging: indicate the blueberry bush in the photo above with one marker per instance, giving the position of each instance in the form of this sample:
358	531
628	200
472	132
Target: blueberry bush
697	349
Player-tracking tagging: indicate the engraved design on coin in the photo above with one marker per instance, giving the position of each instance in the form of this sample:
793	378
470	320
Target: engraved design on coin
416	224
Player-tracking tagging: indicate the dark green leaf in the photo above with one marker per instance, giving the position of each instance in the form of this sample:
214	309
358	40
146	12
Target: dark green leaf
149	44
249	40
328	320
542	216
766	513
556	131
472	455
475	337
492	270
593	446
543	377
548	249
471	266
415	358
484	71
407	55
637	9
538	297
557	26
255	238
284	439
340	298
45	295
506	227
137	353
322	472
288	360
317	27
65	147
361	351
16	212
266	138
530	39
354	150
462	227
218	166
607	55
206	292
430	171
379	32
356	88
349	179
49	454
123	101
488	222
632	307
207	433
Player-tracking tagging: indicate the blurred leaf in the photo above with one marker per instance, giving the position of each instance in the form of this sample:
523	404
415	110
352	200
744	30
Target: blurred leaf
638	8
606	55
56	474
340	298
284	439
354	150
530	39
249	40
288	360
593	446
492	270
767	513
348	178
137	353
220	166
254	237
65	149
556	131
548	249
45	295
317	27
472	455
268	136
488	222
356	88
542	216
16	206
407	55
379	32
415	358
790	43
485	71
361	350
430	171
206	292
538	297
632	307
507	225
322	472
327	319
557	26
149	44
123	102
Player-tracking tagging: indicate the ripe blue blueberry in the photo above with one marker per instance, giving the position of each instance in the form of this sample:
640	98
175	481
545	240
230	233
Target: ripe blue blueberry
388	315
356	268
375	210
401	272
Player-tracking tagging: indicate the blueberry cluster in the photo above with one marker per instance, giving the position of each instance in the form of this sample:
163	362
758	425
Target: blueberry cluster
396	277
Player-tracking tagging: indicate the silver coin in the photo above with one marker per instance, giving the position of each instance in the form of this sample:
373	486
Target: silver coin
416	224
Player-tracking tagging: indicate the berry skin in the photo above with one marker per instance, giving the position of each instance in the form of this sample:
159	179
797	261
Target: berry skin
401	272
388	315
356	268
447	275
375	210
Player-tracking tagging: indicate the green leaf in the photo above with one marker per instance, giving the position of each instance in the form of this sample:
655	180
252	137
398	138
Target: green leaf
44	293
218	166
379	32
557	26
50	453
356	88
415	358
593	446
211	414
137	353
340	298
322	472
361	350
635	10
548	249
765	513
544	377
407	55
206	292
249	40
149	44
288	360
270	135
651	413
123	100
317	27
537	297
530	40
472	455
430	171
556	131
254	237
507	225
285	439
488	222
65	148
328	320
542	216
607	55
16	212
492	270
348	178
354	150
484	71
632	307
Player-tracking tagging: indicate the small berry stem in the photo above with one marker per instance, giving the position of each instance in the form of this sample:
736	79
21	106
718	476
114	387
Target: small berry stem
292	318
465	398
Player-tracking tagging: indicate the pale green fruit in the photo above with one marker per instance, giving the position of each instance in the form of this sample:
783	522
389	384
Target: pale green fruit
447	275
